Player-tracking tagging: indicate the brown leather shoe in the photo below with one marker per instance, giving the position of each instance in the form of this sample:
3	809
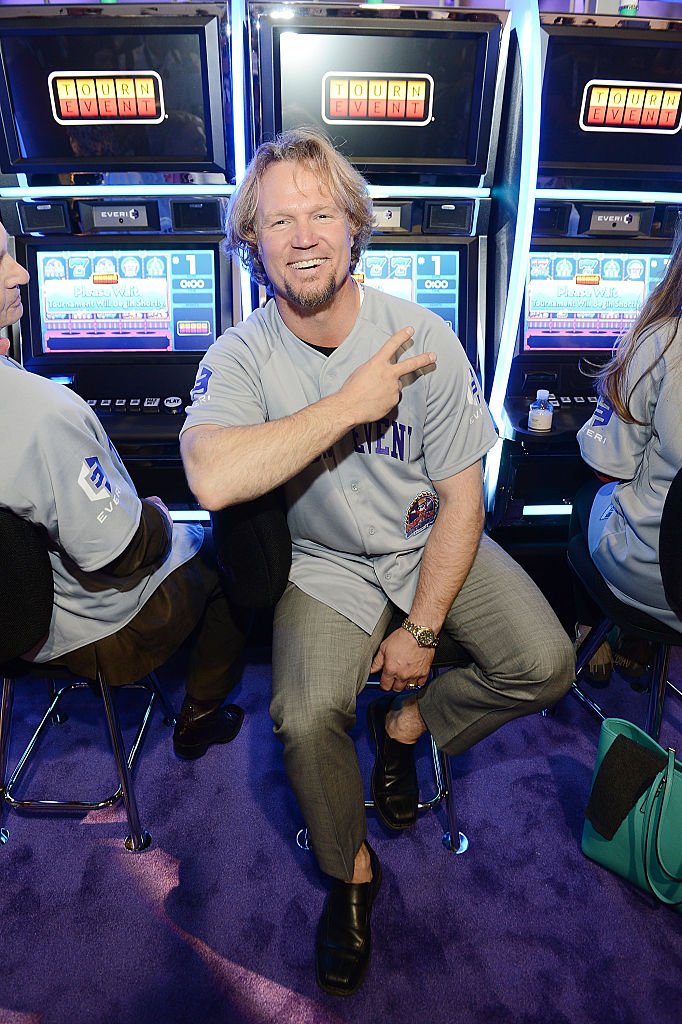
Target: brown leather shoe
200	725
344	938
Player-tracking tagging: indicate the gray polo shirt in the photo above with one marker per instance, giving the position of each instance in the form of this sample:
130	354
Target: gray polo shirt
626	517
60	470
360	514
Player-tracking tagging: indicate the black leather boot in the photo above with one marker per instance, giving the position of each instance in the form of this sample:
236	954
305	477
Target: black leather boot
344	937
202	723
394	776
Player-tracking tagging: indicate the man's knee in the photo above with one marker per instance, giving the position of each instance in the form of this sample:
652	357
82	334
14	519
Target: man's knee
300	724
554	668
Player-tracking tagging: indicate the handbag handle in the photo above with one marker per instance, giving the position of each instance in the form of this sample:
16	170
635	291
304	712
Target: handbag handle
663	780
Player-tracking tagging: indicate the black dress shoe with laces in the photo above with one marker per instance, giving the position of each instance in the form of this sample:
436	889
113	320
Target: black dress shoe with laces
394	776
201	724
344	937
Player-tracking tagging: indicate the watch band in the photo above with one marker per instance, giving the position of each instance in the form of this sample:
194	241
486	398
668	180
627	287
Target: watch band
424	635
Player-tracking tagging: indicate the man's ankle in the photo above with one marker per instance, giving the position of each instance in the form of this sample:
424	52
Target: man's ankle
362	868
405	725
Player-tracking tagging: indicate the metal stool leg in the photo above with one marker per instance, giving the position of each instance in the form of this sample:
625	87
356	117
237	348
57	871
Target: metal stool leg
658	684
5	719
591	645
453	840
139	839
168	709
57	716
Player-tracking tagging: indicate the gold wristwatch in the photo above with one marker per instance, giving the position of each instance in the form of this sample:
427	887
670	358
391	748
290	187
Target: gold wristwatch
424	635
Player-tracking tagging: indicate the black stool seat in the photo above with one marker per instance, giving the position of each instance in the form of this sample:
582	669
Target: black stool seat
630	619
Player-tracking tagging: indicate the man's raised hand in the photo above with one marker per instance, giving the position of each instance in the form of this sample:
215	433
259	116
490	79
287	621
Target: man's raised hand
374	388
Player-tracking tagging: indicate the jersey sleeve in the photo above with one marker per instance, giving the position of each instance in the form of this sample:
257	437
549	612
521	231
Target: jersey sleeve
607	443
80	490
227	390
458	430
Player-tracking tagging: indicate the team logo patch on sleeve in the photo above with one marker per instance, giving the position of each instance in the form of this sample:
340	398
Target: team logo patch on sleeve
93	480
421	513
603	413
474	396
199	392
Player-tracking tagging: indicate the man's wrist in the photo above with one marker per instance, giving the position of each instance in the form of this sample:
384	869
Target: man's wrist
424	635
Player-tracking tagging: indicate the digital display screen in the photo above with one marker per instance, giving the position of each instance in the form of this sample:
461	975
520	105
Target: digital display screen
389	95
108	300
586	300
120	94
611	102
428	277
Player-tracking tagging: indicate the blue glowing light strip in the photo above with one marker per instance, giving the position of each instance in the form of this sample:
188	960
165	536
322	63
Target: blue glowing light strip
76	191
603	196
189	516
527	19
238	26
427	192
547	510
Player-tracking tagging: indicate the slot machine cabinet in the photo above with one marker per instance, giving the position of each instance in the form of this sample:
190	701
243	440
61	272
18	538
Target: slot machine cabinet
607	200
124	316
102	90
414	98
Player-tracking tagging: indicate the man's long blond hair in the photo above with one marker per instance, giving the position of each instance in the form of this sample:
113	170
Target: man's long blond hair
309	148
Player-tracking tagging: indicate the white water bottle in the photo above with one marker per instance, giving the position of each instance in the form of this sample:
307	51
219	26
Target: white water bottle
540	412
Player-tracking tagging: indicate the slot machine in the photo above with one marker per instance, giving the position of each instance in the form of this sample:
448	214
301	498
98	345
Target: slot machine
608	198
116	150
414	98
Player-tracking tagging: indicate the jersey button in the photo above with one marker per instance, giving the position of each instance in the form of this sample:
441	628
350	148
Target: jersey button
354	486
371	531
387	576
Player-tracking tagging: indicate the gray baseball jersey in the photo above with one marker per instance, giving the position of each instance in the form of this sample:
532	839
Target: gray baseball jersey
626	517
360	514
59	469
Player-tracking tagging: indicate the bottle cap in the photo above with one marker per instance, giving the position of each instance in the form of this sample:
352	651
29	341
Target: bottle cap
542	395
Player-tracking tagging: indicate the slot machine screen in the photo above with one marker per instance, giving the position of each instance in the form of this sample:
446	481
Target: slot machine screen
390	96
585	301
118	300
434	276
612	102
114	92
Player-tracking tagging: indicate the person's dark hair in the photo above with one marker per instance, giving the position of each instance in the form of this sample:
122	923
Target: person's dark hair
661	308
311	148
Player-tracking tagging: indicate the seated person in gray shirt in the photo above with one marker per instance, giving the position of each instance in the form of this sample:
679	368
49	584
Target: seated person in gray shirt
129	585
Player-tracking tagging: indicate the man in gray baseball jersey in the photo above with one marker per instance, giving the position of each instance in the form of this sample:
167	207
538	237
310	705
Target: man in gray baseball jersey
365	408
129	585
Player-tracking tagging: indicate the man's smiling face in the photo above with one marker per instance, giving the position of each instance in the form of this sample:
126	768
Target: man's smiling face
304	239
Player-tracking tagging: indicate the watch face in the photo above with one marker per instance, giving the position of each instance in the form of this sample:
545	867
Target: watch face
426	637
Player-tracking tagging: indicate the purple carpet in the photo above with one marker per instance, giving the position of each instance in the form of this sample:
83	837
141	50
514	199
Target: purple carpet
216	922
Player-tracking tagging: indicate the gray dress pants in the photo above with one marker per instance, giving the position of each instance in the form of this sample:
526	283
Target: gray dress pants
522	661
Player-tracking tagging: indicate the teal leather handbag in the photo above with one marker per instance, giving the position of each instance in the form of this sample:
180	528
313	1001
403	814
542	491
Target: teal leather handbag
633	821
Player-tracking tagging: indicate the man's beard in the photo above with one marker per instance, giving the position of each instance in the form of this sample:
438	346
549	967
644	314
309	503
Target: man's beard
311	300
